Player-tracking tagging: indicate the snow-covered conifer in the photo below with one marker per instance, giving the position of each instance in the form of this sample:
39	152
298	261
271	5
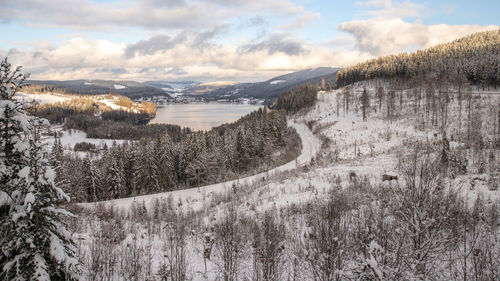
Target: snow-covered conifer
35	244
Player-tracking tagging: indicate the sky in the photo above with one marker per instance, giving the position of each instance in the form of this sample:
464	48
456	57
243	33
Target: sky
222	40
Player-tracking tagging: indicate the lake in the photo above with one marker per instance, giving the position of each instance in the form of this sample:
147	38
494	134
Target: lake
201	116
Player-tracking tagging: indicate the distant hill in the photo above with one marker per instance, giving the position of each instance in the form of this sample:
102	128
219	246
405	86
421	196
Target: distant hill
208	87
129	89
475	58
276	86
267	90
172	86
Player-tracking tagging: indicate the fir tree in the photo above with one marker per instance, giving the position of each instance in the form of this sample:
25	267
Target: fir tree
35	244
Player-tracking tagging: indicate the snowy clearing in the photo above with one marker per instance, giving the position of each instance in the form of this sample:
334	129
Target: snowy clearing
71	137
41	98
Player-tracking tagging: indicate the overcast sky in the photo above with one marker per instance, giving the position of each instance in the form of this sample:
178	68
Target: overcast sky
210	40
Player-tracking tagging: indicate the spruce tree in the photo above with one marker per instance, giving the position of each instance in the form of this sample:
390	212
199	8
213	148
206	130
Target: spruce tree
35	244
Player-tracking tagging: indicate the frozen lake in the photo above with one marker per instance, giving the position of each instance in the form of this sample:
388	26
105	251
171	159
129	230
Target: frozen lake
201	116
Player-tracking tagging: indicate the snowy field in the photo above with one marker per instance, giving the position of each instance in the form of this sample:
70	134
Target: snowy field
41	98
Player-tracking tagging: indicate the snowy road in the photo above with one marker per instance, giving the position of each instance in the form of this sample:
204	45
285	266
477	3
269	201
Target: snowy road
194	197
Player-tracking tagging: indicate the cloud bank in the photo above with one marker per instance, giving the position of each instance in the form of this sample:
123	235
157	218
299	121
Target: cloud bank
212	40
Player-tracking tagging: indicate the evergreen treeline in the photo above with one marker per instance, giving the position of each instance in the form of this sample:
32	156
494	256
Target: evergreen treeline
163	164
127	129
477	57
301	97
97	87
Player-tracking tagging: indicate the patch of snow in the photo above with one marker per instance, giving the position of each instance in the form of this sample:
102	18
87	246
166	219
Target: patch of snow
274	82
87	83
40	98
112	105
118	86
71	137
4	199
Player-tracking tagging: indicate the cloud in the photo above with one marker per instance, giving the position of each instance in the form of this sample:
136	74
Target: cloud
197	53
302	20
204	39
88	58
382	36
276	43
177	71
388	8
388	32
118	70
161	43
154	44
256	21
148	14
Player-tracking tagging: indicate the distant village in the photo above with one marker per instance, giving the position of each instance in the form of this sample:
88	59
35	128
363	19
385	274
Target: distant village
179	99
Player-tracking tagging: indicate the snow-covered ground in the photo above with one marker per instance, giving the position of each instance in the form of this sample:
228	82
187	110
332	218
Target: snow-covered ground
275	82
119	87
337	145
41	98
112	105
71	137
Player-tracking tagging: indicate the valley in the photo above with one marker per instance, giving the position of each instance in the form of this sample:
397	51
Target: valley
198	154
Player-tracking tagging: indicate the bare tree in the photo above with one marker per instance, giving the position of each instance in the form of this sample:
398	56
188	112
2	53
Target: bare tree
365	103
229	243
268	247
380	96
175	236
422	207
324	248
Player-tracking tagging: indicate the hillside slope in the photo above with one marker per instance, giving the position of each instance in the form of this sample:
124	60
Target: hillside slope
129	89
341	189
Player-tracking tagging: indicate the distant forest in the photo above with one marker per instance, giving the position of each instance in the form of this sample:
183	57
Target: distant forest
475	58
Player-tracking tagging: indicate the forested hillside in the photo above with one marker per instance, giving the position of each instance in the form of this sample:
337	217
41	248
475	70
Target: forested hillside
105	117
475	57
302	96
129	89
